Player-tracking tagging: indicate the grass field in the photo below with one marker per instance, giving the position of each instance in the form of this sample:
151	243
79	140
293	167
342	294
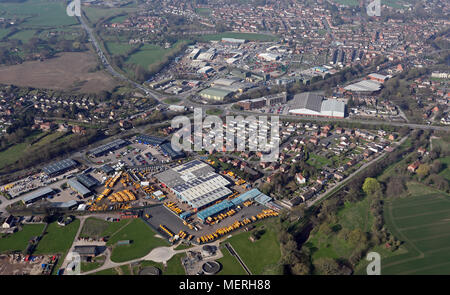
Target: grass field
237	35
422	221
96	228
230	265
115	48
15	152
58	239
143	241
94	14
174	266
23	35
19	240
262	256
147	55
38	13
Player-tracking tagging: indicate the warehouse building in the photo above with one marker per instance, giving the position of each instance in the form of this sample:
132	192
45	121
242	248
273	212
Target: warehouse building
150	140
311	104
163	144
364	86
87	180
106	148
195	183
215	93
37	195
59	167
78	187
225	205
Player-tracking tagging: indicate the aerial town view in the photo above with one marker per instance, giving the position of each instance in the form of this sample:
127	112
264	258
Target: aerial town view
224	137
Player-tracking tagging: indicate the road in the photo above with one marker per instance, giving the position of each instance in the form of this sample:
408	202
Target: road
347	179
108	66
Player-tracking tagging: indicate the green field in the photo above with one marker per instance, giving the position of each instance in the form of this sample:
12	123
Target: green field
174	266
19	240
115	48
237	35
23	35
97	228
148	54
230	265
58	239
261	256
422	221
95	14
38	13
143	241
35	142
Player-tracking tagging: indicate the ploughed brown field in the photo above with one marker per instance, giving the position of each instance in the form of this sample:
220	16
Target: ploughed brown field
66	71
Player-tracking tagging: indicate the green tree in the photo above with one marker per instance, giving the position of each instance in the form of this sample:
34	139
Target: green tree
371	185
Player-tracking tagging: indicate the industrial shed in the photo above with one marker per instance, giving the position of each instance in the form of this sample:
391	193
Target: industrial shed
59	167
106	148
195	183
78	187
312	104
37	195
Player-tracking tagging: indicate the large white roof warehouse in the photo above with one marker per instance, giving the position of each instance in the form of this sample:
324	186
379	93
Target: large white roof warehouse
195	183
312	104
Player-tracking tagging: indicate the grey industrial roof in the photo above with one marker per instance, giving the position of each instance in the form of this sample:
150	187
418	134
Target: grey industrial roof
333	105
147	139
81	189
87	180
107	169
167	149
195	181
86	250
308	100
38	194
59	166
65	205
108	147
364	86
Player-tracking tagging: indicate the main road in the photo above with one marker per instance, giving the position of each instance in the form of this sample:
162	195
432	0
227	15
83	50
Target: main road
108	66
